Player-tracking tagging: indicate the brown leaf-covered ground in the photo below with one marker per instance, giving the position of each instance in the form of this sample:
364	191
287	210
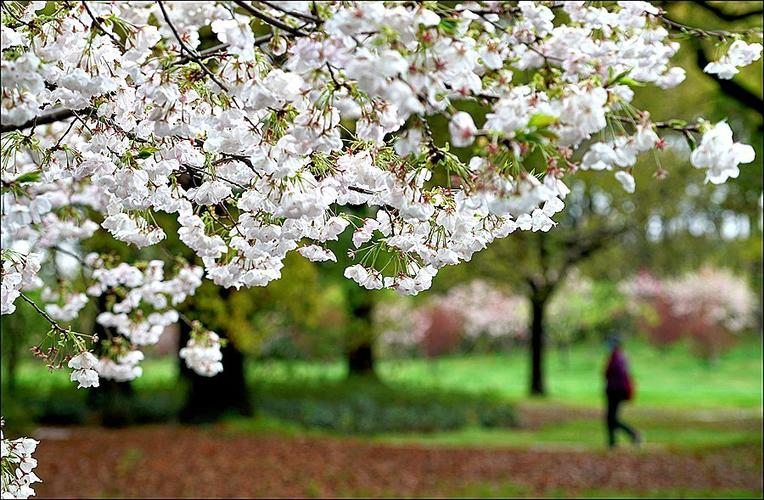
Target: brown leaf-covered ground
176	461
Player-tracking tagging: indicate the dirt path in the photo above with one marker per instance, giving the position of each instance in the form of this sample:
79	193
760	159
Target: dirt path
180	461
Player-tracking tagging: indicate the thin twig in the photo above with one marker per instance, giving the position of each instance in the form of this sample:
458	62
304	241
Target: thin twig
215	176
270	20
101	28
183	47
703	33
45	315
300	15
74	255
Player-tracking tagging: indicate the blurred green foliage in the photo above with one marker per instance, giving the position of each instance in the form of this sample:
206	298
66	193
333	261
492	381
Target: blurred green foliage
365	406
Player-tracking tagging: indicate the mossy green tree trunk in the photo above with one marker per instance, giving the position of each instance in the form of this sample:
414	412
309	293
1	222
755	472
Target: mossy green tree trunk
360	340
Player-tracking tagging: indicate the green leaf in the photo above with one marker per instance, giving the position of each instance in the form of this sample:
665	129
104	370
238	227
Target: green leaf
146	152
540	120
630	82
623	78
615	79
448	25
538	81
28	177
691	142
548	134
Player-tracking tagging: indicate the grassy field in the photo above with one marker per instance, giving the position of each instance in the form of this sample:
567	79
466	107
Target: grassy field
670	378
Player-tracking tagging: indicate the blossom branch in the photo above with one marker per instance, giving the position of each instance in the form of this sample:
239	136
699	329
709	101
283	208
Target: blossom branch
269	20
299	15
727	16
53	323
704	33
45	119
101	28
730	87
190	52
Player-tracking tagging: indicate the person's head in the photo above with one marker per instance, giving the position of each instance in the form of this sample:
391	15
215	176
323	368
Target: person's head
613	341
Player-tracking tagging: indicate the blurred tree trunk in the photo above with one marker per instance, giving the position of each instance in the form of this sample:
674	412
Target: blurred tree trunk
554	263
209	398
360	341
538	308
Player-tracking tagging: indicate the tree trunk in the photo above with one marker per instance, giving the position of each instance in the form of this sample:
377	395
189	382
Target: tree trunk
361	360
209	398
360	344
538	305
112	400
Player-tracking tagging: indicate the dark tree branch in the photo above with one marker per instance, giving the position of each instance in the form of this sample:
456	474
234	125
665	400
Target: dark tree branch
55	116
217	50
731	88
98	24
582	247
203	54
189	52
270	20
299	15
727	16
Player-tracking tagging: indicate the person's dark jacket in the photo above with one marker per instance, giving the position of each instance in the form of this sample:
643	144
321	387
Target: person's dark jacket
617	375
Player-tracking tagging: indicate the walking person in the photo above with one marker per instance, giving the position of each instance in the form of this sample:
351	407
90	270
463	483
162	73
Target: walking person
618	388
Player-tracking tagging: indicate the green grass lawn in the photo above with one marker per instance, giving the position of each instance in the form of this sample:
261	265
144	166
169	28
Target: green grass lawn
670	378
661	432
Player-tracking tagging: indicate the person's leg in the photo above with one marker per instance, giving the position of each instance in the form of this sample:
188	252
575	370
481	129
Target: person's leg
620	425
611	419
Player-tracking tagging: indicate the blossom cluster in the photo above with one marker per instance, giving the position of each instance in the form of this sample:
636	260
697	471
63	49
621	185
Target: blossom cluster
202	354
139	318
136	303
19	272
17	466
720	155
739	54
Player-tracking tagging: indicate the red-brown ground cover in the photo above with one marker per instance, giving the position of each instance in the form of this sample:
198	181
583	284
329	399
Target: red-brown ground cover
166	461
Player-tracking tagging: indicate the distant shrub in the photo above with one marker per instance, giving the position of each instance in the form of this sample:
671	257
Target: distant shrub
710	307
372	407
468	315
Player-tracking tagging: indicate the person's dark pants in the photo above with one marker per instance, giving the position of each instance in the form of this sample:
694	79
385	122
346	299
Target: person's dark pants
614	400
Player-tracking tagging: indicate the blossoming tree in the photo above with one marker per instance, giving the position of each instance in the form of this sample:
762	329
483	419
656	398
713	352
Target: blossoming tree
476	311
709	306
258	139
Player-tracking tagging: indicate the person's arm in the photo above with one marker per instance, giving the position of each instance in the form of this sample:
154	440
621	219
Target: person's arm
610	365
627	377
